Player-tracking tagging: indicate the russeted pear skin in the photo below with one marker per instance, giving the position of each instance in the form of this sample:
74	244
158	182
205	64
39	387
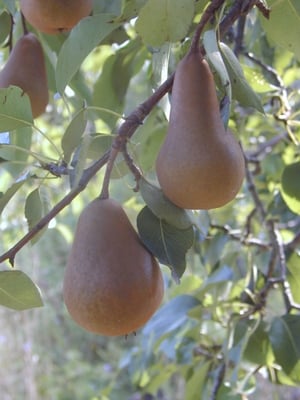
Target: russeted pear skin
55	16
26	69
200	165
112	284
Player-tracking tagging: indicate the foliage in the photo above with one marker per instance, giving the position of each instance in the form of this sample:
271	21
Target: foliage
232	313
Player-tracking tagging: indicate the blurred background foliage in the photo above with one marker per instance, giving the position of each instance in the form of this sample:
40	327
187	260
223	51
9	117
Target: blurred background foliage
227	331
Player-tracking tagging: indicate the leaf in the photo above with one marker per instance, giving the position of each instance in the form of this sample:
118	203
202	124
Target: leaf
76	47
150	137
112	84
221	275
294	275
214	56
258	349
15	110
34	211
5	25
17	291
290	186
284	14
5	197
195	383
167	243
162	207
285	340
170	316
241	90
162	21
17	150
80	160
130	9
72	136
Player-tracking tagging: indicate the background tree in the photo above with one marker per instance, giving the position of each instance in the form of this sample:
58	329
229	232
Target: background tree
230	317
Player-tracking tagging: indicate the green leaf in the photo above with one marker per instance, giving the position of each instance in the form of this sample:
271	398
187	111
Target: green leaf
130	9
17	150
34	211
170	316
150	137
284	30
17	291
112	84
72	136
258	349
99	145
293	263
285	340
162	21
214	56
80	160
5	25
220	275
15	109
76	47
162	207
195	383
241	90
167	243
290	186
5	197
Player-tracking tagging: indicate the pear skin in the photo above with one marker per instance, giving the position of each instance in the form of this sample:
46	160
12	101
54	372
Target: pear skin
112	284
25	68
55	16
200	165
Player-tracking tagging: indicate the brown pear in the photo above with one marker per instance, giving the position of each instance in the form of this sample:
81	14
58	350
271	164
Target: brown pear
25	68
112	284
55	16
200	165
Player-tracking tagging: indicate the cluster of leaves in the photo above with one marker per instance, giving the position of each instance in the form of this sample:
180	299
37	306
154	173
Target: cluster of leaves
235	311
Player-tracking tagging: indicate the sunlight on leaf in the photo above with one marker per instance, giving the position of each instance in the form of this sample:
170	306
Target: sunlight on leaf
17	291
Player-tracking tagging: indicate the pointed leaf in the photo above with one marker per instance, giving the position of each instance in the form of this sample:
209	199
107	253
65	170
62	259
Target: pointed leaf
284	30
214	56
290	186
34	211
17	291
171	316
162	21
15	109
167	243
285	340
5	25
5	197
72	136
241	90
17	150
162	207
76	47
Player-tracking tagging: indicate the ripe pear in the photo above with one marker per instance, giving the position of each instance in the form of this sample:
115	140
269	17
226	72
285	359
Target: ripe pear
55	16
200	165
25	68
112	284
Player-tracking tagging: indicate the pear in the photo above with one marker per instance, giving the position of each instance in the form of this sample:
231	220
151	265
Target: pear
112	284
55	16
200	165
25	68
